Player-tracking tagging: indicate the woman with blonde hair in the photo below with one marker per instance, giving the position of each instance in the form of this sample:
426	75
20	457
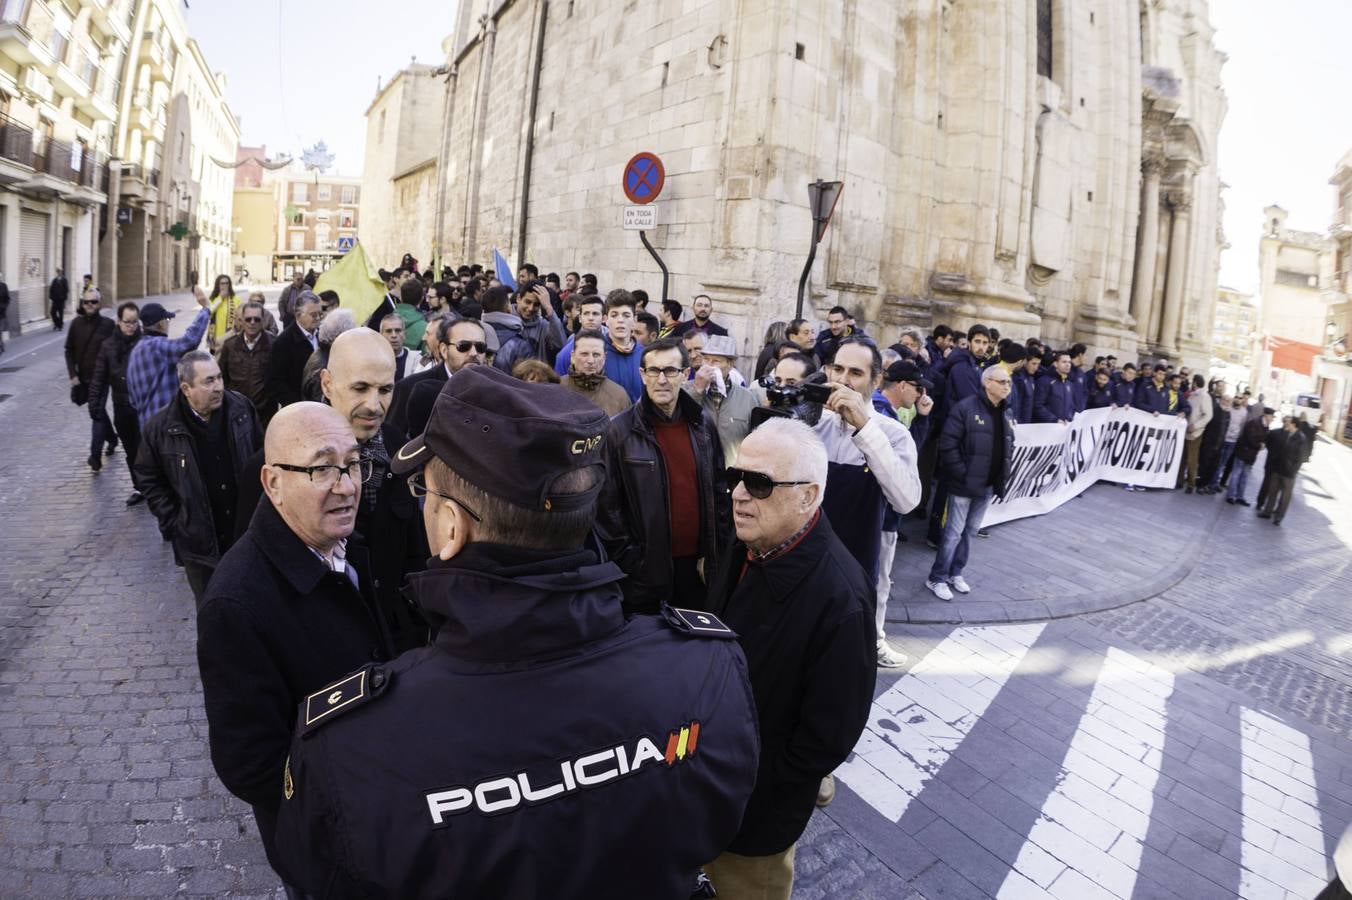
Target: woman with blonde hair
224	306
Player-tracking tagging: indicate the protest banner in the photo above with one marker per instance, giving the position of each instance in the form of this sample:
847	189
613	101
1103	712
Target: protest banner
1055	463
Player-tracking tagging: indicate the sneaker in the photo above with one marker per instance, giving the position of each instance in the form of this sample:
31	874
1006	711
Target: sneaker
94	462
939	589
888	657
827	792
1230	500
959	584
134	498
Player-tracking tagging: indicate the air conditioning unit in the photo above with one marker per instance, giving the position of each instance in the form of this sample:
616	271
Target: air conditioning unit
37	84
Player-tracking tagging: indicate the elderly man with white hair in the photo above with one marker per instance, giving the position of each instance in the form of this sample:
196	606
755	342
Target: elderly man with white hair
800	603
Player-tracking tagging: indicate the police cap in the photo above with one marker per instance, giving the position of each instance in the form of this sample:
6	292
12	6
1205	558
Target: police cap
510	438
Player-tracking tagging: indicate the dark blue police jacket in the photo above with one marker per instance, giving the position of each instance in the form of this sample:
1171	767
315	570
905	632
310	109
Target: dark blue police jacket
542	747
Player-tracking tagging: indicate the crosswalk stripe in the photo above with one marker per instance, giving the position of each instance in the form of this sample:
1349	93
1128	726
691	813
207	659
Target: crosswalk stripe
1282	853
1093	824
917	723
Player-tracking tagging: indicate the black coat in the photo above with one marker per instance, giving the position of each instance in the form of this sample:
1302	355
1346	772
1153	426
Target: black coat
393	534
634	519
168	474
1214	434
967	447
110	371
86	335
286	366
1286	452
276	624
534	666
1251	439
804	623
398	416
58	291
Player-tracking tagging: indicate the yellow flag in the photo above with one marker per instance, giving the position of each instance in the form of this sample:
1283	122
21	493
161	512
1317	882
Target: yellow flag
357	282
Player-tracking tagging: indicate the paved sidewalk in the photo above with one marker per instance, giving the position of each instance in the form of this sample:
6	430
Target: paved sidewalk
1104	549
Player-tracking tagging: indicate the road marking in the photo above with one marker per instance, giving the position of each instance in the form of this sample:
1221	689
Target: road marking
1282	853
917	723
1094	823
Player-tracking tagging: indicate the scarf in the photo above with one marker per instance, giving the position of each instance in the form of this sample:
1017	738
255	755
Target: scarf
585	382
380	464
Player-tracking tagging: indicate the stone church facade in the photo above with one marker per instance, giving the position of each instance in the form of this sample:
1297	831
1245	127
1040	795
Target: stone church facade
1045	166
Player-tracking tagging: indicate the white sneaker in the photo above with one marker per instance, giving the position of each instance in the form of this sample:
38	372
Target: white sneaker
889	658
960	584
939	589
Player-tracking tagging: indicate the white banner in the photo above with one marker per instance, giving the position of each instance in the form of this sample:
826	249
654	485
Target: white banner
1054	463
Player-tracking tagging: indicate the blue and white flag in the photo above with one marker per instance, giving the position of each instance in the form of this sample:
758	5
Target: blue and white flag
502	270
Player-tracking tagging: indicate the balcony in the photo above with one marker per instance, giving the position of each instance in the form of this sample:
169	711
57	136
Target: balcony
155	58
16	151
19	43
68	81
99	102
133	184
108	17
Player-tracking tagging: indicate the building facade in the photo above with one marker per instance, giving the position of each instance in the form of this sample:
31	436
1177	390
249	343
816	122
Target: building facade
254	217
399	179
1045	166
170	202
60	72
317	219
1235	337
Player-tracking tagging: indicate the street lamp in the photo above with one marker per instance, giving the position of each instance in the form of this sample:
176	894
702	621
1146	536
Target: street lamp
821	198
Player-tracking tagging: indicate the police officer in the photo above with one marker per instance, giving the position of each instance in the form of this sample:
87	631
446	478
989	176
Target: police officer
543	746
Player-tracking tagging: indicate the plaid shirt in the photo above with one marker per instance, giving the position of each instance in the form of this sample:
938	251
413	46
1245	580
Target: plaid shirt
151	377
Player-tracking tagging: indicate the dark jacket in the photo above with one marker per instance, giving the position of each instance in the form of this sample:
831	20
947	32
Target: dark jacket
633	521
1251	440
1054	398
392	533
825	347
167	472
964	375
87	333
513	345
246	371
276	624
286	365
530	638
110	372
967	447
1214	434
1022	388
1124	392
398	416
58	291
1154	399
1286	452
1100	397
1081	383
803	621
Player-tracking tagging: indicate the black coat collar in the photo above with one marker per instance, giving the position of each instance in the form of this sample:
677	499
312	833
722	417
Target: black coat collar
298	564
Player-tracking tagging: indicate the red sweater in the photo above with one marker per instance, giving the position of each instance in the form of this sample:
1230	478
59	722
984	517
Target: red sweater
678	459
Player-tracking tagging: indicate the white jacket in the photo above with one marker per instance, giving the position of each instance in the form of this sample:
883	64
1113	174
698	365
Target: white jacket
1199	413
884	445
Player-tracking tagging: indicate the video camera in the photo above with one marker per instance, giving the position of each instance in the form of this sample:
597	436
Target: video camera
802	401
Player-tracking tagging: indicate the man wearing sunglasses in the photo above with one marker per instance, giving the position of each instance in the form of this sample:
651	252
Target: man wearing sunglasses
460	343
290	607
665	516
544	746
87	333
801	606
244	360
110	377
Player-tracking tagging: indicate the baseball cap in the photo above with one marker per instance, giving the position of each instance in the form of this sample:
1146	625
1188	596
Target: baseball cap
905	370
154	312
510	438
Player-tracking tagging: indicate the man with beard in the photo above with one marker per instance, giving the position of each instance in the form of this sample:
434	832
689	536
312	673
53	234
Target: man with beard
110	371
703	308
587	375
463	342
193	457
540	323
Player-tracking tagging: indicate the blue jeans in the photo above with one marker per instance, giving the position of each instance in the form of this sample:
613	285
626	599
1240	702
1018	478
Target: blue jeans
1239	476
1227	451
964	520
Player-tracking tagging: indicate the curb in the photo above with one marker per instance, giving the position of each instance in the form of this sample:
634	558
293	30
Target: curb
1037	609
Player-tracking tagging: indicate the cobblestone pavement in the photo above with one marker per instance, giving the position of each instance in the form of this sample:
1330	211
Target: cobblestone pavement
1191	746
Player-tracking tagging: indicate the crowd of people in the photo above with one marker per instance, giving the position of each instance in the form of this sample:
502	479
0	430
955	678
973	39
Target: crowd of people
502	542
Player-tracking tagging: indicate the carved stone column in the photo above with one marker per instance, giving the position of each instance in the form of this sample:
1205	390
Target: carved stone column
1143	283
1179	250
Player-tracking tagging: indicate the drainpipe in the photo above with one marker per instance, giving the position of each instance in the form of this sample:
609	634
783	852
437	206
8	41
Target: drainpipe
543	12
490	32
447	104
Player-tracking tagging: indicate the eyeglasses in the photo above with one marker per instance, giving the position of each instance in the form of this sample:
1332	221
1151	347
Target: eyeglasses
758	484
328	475
670	373
90	302
463	346
999	380
254	319
417	486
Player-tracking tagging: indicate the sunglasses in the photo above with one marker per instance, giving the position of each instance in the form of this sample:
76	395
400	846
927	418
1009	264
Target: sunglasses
758	484
463	346
254	319
90	302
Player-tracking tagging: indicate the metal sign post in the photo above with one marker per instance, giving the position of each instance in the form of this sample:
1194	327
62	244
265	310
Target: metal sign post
821	197
643	179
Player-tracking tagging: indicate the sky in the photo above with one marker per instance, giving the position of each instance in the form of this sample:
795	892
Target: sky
1288	83
337	51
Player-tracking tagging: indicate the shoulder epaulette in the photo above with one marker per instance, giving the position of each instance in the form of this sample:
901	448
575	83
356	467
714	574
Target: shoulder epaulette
696	623
343	696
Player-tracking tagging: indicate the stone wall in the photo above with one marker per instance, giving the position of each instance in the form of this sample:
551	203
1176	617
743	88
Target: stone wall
975	188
